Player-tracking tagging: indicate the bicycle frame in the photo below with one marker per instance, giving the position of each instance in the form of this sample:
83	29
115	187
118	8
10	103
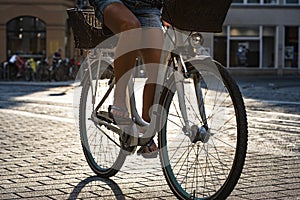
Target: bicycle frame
180	71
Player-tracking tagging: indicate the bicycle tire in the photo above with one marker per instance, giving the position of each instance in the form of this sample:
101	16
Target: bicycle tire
204	170
104	157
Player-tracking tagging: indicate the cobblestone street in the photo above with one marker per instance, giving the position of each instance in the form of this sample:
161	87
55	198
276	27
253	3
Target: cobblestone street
41	156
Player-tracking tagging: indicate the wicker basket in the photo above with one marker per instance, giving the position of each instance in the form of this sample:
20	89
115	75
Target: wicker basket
87	30
196	15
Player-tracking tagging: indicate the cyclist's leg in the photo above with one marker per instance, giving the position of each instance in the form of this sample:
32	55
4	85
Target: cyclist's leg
151	58
151	45
119	19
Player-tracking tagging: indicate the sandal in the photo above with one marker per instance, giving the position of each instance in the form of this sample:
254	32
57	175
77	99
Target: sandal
120	116
147	151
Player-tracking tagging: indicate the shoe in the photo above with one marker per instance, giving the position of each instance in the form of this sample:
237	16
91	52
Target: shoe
148	151
120	116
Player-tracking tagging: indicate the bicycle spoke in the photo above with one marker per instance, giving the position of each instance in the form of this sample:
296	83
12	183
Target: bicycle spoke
108	137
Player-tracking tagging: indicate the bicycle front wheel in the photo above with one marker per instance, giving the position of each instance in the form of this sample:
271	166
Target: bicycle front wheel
100	143
203	139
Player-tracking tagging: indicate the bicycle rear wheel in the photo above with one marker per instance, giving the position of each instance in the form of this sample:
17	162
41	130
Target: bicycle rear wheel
203	160
100	143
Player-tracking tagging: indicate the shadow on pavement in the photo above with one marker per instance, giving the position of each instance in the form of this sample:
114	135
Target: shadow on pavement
271	93
12	93
270	87
79	188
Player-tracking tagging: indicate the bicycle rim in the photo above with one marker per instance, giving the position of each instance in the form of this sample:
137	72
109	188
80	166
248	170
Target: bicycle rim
100	145
210	169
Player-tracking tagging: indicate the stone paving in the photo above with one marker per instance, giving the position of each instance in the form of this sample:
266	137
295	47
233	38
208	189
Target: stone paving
41	156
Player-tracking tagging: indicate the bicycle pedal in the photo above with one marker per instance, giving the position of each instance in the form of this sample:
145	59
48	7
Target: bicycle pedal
129	138
104	115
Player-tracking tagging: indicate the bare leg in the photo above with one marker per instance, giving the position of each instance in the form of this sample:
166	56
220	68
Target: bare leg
150	86
152	58
119	19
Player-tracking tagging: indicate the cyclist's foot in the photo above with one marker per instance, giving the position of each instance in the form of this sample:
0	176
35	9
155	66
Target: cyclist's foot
119	115
148	151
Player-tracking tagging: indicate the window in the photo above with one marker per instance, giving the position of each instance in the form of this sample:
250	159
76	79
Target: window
238	1
256	1
247	47
244	31
268	47
270	1
244	46
220	46
291	50
244	53
26	35
292	1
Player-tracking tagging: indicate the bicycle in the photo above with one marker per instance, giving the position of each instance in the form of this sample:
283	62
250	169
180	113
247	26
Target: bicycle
43	73
199	117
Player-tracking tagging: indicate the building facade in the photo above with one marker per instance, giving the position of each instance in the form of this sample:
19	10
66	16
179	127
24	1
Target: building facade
259	36
35	28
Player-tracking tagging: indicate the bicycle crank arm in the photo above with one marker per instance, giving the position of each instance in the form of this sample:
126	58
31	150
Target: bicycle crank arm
108	125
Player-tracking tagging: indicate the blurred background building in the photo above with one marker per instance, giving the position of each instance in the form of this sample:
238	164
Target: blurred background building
34	28
259	36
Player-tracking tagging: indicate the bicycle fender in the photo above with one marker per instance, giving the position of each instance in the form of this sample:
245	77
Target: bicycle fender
203	62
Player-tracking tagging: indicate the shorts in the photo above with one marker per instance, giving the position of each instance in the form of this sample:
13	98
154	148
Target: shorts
148	12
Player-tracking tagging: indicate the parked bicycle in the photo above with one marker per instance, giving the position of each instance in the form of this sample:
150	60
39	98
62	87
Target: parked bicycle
30	70
199	115
73	69
42	71
59	71
4	70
